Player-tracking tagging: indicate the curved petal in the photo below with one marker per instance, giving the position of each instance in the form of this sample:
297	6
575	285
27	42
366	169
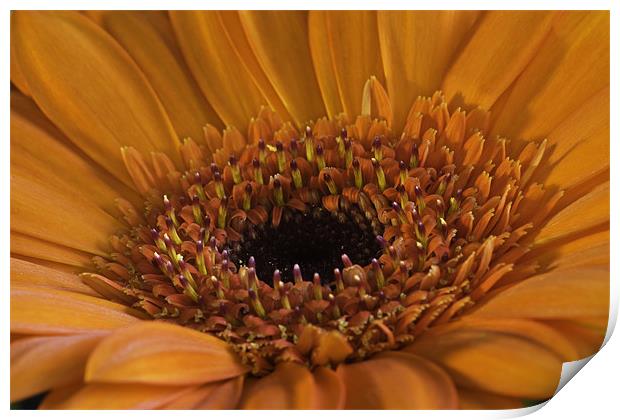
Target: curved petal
397	381
42	363
571	65
58	215
224	396
354	44
224	80
27	274
174	85
90	88
112	397
280	41
586	334
292	387
25	246
417	48
480	400
580	144
50	312
558	294
17	77
588	212
502	45
40	151
492	361
162	353
239	41
318	38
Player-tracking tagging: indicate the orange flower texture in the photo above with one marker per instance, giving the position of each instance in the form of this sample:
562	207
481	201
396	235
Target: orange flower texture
306	209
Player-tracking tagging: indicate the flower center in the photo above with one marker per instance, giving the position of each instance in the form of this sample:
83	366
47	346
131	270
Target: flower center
331	245
312	241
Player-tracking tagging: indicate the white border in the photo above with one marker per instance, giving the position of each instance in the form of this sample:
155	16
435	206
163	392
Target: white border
593	394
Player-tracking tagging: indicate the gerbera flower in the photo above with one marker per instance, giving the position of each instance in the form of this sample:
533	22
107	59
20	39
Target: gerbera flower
404	209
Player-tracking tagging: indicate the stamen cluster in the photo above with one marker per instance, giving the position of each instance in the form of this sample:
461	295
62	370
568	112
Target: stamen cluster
443	203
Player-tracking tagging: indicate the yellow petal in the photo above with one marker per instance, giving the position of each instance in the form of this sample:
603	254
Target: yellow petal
40	151
292	387
25	246
162	353
89	87
570	66
49	311
354	48
558	294
113	397
280	41
224	80
24	273
397	381
42	363
174	85
323	63
502	45
495	362
416	48
589	212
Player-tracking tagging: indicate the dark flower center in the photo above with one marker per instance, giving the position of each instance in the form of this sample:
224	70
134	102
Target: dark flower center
314	240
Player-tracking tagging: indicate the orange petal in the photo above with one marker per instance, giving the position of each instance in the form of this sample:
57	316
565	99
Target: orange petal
42	363
375	101
397	381
113	397
533	331
280	41
40	151
495	362
587	335
17	77
580	141
224	396
50	311
558	294
416	48
588	212
509	40
159	61
234	30
219	71
354	44
162	353
58	215
480	400
25	246
570	253
292	387
323	63
24	273
570	66
90	88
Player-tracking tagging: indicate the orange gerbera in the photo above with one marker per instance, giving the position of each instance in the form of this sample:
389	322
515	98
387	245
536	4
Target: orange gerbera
358	247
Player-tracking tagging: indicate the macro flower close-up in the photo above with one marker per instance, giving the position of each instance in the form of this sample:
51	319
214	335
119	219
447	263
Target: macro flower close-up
306	209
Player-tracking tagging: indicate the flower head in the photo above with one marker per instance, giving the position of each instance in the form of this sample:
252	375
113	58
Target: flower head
319	252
